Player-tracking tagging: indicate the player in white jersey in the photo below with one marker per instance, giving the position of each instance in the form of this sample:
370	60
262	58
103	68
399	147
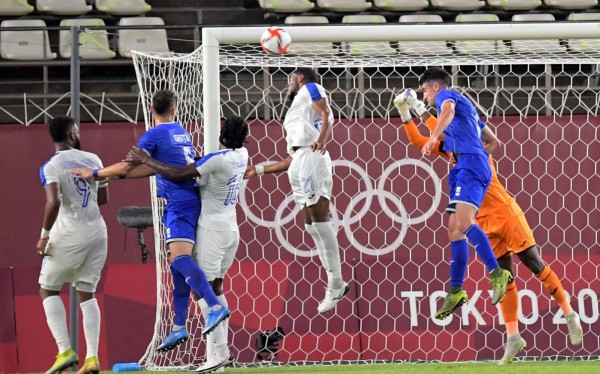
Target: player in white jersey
73	242
309	168
217	237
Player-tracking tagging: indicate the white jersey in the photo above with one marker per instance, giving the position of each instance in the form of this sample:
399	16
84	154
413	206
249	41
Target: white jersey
302	124
79	219
222	174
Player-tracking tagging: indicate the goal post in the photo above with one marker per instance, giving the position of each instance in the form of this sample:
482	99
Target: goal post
388	201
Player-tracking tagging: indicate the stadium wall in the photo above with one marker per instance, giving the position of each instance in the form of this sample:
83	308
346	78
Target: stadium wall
272	287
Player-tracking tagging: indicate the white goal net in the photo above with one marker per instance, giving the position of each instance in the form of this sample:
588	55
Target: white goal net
540	96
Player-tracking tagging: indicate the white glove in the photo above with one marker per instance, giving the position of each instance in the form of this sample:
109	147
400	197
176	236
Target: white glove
410	96
403	108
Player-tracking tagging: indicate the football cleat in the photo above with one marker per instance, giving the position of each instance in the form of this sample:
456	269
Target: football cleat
514	345
451	303
63	360
332	297
214	318
215	365
90	366
575	330
173	340
500	278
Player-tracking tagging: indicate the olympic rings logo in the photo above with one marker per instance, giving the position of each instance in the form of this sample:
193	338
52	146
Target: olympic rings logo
368	192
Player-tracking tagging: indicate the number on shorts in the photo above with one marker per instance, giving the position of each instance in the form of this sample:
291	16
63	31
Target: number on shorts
84	188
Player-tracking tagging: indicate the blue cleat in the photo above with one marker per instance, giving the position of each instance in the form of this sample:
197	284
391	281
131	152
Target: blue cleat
173	340
214	318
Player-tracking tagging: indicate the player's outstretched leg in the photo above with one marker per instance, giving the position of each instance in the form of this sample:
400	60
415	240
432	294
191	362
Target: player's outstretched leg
514	345
451	303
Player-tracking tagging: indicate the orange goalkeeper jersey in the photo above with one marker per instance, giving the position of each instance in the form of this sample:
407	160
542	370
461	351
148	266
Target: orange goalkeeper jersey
496	198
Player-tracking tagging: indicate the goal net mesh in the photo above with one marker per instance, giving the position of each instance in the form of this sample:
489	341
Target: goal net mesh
541	98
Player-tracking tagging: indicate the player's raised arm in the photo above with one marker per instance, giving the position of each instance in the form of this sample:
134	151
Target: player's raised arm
410	128
321	107
176	173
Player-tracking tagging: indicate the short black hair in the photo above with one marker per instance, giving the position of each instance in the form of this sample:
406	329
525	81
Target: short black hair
436	74
163	101
60	127
310	75
234	132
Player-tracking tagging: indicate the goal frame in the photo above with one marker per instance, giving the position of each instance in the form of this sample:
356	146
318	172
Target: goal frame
213	37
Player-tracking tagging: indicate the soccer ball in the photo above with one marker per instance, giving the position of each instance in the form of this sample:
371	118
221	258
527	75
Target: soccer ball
275	40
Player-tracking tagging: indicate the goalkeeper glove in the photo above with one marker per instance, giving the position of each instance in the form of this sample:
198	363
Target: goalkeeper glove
410	96
403	108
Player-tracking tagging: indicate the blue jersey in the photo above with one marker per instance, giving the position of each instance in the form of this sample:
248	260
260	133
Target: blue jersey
463	135
172	144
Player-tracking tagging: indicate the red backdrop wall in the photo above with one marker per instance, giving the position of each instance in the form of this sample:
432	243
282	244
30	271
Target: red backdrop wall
362	329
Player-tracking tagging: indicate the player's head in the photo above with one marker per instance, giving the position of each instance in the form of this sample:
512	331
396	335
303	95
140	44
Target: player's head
233	132
432	82
299	78
164	103
64	130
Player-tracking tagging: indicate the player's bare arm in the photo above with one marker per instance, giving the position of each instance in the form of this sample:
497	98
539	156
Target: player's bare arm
50	213
323	110
490	141
176	173
279	166
446	116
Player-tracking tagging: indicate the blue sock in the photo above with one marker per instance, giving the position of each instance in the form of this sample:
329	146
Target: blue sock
195	277
459	250
181	297
480	241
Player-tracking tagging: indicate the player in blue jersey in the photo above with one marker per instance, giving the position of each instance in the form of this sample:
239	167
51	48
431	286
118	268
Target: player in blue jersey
169	142
221	174
469	179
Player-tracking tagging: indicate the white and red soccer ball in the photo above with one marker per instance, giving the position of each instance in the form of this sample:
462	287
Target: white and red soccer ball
275	40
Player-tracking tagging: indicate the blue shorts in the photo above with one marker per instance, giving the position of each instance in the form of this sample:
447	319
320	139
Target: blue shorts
469	181
180	220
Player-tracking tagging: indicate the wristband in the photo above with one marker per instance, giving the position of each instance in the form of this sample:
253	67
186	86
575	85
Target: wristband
260	170
122	176
95	173
45	233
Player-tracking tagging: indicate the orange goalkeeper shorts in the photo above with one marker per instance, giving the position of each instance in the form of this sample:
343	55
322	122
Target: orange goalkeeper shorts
507	230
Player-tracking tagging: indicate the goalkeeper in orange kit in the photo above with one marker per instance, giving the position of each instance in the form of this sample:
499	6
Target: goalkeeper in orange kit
504	222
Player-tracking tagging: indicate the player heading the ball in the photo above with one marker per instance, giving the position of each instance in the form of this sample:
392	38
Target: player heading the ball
307	125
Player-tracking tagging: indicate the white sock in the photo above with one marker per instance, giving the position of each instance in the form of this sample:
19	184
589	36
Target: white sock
318	244
331	253
56	316
219	334
210	346
91	326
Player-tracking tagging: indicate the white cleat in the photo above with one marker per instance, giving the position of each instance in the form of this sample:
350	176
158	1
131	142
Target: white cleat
332	297
514	345
216	365
574	326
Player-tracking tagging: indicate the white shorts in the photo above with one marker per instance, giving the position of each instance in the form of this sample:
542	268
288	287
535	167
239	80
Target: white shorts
77	263
215	251
311	176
